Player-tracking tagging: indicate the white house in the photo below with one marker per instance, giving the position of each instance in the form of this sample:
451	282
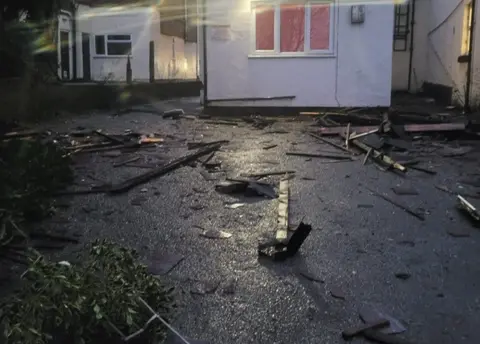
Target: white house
96	41
436	50
281	53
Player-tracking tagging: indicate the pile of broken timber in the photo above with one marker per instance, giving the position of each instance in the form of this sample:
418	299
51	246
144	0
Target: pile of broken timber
371	139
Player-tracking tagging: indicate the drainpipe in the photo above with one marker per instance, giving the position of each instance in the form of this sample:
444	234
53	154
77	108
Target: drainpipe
470	59
412	32
74	43
204	45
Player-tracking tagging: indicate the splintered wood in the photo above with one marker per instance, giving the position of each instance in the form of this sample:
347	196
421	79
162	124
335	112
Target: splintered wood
282	229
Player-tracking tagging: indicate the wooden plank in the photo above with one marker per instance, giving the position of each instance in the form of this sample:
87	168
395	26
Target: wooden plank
282	225
410	128
378	155
413	128
333	144
321	155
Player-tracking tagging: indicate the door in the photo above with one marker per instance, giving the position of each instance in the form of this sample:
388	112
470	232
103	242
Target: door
86	56
65	55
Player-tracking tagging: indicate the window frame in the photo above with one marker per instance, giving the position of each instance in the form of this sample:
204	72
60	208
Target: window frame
106	40
467	29
276	40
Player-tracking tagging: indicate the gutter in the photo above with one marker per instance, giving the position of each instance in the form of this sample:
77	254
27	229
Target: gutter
466	107
204	53
412	35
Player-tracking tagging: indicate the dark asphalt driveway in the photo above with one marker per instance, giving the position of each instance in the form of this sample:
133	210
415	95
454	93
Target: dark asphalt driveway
358	244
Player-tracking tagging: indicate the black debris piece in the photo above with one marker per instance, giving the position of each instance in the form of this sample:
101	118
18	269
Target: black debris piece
281	251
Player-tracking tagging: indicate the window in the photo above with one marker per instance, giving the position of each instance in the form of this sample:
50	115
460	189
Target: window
400	30
293	29
113	45
467	29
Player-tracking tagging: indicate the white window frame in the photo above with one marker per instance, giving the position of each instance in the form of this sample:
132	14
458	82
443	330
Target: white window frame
307	51
106	41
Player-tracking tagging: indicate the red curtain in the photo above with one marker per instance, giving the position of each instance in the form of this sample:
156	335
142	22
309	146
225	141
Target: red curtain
320	27
264	24
292	28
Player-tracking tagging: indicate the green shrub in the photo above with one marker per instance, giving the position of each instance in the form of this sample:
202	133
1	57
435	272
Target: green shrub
63	303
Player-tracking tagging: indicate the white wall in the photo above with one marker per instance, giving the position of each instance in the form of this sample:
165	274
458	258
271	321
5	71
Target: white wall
103	21
359	75
437	46
174	58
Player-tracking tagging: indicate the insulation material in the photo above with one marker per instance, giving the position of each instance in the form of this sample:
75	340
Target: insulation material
292	28
264	27
320	27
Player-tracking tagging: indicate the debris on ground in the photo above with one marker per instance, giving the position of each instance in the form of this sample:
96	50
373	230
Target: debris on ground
282	221
321	155
215	234
279	251
398	205
234	205
469	208
402	275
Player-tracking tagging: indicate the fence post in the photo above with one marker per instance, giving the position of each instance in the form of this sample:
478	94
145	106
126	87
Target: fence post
151	61
129	71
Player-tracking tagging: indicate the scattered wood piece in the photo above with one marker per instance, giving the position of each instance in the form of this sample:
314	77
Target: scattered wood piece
370	314
357	136
398	205
404	191
20	134
234	205
321	155
468	207
118	164
411	128
358	330
369	152
328	142
282	222
109	137
53	237
269	147
266	174
157	172
222	123
347	136
90	145
378	155
215	234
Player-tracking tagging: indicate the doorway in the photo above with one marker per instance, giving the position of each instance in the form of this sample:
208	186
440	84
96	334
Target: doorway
65	55
86	56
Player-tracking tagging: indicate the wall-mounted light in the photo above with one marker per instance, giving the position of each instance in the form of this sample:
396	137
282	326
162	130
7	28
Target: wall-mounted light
357	13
